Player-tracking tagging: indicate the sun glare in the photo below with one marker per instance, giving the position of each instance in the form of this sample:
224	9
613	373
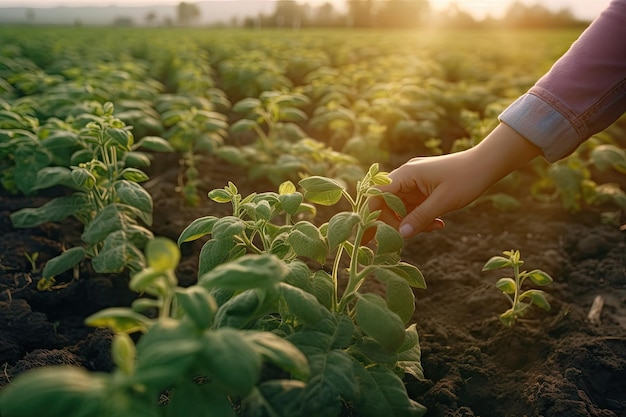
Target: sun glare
478	8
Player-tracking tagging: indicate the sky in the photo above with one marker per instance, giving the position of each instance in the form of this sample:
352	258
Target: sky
584	9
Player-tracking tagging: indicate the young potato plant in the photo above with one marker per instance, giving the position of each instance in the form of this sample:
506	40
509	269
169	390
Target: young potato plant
205	369
194	129
572	179
281	151
357	343
520	300
107	198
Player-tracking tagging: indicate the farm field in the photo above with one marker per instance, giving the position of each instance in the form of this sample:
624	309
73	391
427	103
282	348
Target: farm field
111	139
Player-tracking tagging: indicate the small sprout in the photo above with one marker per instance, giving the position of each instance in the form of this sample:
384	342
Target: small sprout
512	287
32	258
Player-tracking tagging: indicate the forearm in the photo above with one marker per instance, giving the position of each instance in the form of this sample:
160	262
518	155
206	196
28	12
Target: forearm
500	153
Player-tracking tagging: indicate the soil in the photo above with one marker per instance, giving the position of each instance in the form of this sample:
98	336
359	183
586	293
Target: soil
553	364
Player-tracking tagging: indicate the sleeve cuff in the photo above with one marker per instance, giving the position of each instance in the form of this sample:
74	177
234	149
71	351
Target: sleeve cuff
543	125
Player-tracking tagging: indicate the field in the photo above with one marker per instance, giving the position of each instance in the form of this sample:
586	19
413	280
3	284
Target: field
83	195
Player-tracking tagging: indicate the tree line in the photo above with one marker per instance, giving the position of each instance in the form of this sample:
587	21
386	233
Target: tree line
386	14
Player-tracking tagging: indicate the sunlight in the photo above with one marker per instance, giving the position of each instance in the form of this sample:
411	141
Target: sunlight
478	8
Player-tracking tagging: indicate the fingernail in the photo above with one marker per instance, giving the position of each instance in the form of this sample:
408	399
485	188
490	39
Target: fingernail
406	230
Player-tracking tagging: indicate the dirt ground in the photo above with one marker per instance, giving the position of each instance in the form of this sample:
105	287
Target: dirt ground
553	364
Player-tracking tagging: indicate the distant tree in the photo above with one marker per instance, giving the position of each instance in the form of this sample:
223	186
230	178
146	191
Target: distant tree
30	15
188	13
288	13
151	17
402	13
123	21
360	13
325	15
455	17
534	16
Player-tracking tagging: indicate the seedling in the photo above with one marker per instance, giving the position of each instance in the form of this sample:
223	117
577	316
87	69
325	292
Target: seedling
32	259
512	287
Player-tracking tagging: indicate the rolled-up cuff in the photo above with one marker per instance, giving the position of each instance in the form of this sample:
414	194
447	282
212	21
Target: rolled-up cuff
543	125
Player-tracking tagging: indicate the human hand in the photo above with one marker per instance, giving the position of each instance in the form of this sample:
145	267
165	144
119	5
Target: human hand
432	186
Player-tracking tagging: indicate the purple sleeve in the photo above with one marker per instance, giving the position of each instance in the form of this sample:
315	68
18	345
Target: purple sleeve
582	94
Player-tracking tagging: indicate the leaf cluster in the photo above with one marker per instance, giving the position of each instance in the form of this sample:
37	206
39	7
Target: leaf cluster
357	344
97	163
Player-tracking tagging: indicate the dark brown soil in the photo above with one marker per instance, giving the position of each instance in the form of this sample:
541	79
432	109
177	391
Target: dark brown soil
553	364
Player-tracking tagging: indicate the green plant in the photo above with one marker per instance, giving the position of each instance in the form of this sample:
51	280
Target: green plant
512	287
32	259
107	197
194	129
205	369
281	151
572	179
355	341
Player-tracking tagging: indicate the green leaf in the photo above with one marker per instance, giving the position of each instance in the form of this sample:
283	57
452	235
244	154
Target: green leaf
62	391
134	195
537	297
134	175
119	319
540	277
149	281
110	219
123	353
274	398
53	211
155	144
382	393
230	360
50	176
306	240
332	382
605	157
198	304
341	227
292	114
497	262
246	105
249	271
506	285
400	299
286	188
280	352
193	399
213	253
409	356
64	262
117	253
388	239
221	195
83	178
121	137
162	362
198	228
291	202
321	190
377	321
243	125
303	305
162	254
